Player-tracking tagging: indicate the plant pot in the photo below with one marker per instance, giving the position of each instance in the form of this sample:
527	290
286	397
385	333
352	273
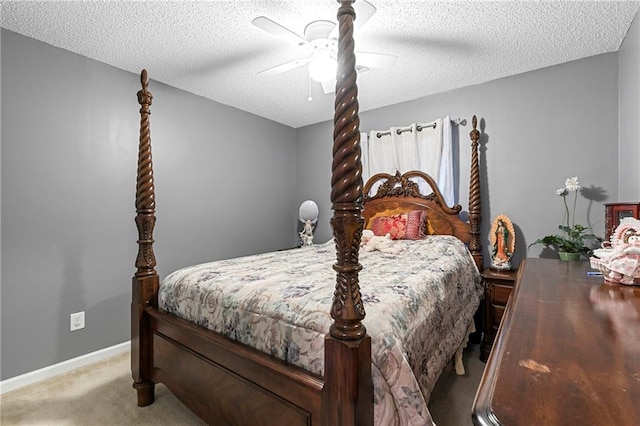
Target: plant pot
568	256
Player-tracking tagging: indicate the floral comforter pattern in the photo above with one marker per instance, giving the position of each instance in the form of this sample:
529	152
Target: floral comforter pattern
419	304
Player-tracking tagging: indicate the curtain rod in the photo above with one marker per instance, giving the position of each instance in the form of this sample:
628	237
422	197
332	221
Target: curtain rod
419	127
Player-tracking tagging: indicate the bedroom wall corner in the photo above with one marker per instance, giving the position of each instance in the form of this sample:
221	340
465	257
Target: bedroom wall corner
628	114
313	174
70	128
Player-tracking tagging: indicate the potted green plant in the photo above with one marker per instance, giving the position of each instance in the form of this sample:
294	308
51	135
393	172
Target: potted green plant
574	239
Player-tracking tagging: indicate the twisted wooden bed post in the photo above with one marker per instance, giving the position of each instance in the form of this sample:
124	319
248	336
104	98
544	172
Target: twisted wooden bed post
348	390
475	206
145	282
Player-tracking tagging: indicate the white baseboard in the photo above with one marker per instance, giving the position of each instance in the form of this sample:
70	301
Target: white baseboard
62	367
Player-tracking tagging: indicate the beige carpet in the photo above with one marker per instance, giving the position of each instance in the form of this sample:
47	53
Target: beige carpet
97	394
101	394
452	398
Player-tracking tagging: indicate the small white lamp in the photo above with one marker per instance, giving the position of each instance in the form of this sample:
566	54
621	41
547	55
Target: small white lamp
308	214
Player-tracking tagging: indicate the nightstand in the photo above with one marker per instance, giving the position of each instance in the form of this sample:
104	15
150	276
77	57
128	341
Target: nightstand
497	289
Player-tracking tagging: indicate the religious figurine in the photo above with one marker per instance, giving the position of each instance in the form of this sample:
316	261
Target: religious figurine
503	241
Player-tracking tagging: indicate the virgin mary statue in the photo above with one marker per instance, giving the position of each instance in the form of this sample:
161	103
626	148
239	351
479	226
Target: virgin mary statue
503	240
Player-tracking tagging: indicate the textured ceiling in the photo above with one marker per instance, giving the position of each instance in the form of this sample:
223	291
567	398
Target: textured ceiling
211	49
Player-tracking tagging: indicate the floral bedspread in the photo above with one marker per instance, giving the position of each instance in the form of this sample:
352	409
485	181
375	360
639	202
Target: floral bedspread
419	304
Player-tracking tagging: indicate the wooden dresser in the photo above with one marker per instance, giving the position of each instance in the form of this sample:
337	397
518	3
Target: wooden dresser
567	352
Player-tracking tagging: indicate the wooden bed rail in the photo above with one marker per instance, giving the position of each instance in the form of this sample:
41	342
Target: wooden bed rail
347	397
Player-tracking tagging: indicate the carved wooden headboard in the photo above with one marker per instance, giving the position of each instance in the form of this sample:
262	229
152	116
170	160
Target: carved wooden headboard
399	194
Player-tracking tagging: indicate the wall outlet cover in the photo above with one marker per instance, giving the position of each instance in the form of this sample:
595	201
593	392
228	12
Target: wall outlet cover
76	321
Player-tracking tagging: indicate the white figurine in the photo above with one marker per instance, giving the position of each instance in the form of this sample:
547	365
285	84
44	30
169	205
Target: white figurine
306	236
619	260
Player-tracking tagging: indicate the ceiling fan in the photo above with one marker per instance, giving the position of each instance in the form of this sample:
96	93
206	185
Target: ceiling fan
322	37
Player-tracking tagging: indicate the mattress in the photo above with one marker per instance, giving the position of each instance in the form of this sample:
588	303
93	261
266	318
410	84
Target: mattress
419	304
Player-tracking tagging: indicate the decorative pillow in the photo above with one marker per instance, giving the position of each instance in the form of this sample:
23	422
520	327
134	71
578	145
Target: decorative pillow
404	226
395	226
416	225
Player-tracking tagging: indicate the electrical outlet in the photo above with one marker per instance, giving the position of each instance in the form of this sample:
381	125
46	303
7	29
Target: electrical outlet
76	321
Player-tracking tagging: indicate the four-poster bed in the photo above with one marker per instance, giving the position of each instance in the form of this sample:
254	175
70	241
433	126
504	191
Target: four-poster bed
227	382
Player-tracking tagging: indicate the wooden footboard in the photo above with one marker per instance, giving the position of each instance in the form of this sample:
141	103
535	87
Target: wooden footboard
224	382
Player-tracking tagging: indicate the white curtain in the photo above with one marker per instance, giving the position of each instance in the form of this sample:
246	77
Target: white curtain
445	177
405	148
364	157
429	143
382	155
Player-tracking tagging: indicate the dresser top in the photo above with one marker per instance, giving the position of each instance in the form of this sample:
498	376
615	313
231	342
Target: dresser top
568	351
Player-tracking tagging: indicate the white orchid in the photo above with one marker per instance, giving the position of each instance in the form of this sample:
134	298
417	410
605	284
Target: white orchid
573	235
572	184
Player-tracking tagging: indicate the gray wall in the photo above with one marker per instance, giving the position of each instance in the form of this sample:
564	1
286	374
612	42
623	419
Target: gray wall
629	113
538	128
69	149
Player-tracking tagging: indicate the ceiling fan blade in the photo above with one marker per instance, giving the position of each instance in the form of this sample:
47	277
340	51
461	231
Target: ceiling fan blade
375	60
279	69
364	11
278	30
329	86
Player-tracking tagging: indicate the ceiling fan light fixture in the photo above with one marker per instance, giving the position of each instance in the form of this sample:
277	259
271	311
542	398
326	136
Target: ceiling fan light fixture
323	68
321	38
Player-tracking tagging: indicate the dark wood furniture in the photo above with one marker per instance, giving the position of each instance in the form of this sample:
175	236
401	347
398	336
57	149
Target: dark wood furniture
614	212
497	289
567	353
225	382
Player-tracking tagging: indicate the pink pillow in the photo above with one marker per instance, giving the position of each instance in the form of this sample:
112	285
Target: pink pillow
395	225
416	225
404	226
